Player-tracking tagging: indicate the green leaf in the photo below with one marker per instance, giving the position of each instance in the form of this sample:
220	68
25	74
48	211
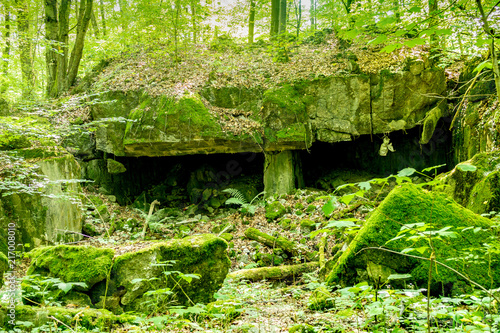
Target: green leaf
484	64
386	21
391	47
329	207
466	167
365	185
378	40
414	42
415	9
406	172
441	32
346	199
340	224
399	276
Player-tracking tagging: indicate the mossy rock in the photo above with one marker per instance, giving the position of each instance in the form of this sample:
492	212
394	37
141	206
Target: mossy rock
227	237
204	255
285	224
86	264
275	210
115	167
302	328
4	266
321	299
89	319
307	225
477	190
407	205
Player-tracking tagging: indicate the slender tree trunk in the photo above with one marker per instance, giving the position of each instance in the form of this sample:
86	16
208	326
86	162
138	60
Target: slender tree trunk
298	16
494	56
433	8
103	20
251	22
51	34
275	17
312	14
193	21
76	55
282	24
25	52
396	9
62	46
95	26
6	50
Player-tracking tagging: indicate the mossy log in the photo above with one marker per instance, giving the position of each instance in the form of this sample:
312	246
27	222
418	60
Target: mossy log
276	242
274	273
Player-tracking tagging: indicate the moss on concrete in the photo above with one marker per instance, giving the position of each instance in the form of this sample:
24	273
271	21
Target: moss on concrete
409	204
204	255
85	264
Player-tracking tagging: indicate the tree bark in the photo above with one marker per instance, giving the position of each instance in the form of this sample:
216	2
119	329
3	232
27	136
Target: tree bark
103	19
6	50
282	25
433	8
494	57
312	14
76	55
193	21
251	22
95	26
275	17
62	46
51	34
25	52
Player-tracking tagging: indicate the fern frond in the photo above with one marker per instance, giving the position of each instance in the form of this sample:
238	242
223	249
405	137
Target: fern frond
237	195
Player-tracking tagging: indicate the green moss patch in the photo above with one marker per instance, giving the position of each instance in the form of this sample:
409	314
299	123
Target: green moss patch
74	318
275	210
410	205
4	266
72	263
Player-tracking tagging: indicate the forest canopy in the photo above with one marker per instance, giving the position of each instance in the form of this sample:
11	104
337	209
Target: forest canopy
47	46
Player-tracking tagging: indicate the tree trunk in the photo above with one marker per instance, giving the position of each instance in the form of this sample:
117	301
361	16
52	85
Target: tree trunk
6	50
494	57
193	21
51	34
25	52
312	14
103	20
95	26
433	8
298	16
62	46
251	22
76	55
282	25
124	14
275	17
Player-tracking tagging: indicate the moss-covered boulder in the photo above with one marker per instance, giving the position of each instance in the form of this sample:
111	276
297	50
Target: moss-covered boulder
275	210
54	269
475	184
85	264
156	268
74	318
458	235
